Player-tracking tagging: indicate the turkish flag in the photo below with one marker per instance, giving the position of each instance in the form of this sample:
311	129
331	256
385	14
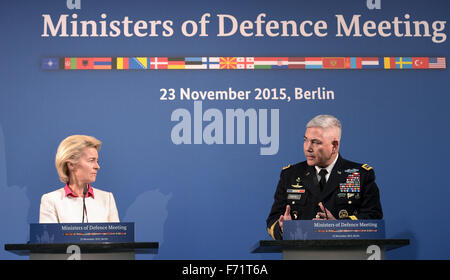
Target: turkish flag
420	62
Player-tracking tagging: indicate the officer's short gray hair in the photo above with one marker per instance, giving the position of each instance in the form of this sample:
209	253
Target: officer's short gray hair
326	121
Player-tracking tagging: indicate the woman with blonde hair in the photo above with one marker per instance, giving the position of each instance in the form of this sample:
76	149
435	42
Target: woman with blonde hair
77	165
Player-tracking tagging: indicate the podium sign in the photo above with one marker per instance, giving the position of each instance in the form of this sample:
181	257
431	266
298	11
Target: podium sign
333	229
81	233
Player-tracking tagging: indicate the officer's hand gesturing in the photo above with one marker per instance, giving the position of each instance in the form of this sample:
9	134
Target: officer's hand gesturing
285	217
325	214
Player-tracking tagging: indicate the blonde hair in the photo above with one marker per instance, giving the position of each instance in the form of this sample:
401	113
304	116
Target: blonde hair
69	150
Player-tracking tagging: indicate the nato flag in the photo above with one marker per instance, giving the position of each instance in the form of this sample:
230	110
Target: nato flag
50	63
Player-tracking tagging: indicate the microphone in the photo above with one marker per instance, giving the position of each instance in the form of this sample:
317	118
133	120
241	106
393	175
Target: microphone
85	190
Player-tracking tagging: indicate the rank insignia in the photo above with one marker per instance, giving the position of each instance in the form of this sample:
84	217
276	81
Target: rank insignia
343	214
286	167
366	166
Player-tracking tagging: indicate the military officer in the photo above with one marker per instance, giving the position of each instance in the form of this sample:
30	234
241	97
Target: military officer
325	186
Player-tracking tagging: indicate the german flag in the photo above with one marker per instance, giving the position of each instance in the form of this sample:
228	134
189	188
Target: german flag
176	63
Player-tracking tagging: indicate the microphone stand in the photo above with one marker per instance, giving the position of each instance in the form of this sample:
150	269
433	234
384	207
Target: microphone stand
85	190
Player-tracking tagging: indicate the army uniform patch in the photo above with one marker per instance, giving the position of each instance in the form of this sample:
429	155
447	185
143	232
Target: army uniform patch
351	170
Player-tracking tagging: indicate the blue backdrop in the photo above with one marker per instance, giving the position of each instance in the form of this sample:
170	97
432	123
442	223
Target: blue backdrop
205	201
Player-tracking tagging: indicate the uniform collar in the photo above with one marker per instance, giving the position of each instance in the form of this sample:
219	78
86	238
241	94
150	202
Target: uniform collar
328	168
69	192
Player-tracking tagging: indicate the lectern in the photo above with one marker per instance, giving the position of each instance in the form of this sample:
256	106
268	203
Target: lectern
82	241
350	249
83	251
331	240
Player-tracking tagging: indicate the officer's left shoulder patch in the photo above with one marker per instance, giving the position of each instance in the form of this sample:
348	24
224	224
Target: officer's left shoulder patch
286	167
366	167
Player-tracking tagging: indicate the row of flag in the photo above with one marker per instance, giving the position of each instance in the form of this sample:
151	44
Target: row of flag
93	233
347	230
139	63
